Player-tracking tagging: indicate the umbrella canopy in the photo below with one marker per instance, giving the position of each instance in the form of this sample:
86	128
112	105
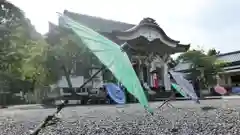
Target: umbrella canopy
112	56
185	85
116	93
220	90
236	90
180	90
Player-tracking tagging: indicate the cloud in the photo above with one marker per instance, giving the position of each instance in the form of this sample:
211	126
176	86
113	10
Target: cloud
128	11
220	25
207	23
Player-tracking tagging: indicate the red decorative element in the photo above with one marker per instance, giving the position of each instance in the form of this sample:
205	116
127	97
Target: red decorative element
155	81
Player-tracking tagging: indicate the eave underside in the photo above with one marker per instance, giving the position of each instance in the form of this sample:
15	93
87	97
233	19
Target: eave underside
156	46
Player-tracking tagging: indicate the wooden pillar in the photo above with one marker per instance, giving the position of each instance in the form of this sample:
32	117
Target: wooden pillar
140	68
229	80
166	79
218	80
148	74
165	75
151	71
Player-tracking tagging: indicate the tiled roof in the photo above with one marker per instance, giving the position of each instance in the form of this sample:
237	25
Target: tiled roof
230	57
99	24
226	57
182	66
231	67
105	26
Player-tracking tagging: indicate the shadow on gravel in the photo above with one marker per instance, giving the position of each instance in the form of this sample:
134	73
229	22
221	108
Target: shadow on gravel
3	107
72	105
208	108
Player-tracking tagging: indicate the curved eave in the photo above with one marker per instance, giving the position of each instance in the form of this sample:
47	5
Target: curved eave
182	47
150	25
142	44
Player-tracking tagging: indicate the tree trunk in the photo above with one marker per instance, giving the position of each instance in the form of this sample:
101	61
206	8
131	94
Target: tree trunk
68	80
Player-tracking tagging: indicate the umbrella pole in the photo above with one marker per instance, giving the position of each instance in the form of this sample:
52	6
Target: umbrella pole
167	101
224	102
64	103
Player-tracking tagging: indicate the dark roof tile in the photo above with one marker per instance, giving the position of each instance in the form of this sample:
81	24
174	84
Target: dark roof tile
98	24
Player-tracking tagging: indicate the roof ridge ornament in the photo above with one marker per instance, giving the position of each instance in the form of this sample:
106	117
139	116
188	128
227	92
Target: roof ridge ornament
149	20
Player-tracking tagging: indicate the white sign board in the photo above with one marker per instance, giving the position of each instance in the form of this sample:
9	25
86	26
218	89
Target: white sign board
76	82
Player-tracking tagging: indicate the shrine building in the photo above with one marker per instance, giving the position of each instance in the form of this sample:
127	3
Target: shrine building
148	47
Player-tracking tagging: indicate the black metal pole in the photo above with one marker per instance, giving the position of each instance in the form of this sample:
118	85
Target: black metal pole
103	68
166	101
61	106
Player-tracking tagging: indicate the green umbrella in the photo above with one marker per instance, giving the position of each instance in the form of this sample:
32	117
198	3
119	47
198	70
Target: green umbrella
112	56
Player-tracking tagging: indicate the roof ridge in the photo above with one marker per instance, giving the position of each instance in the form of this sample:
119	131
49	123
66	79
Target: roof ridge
229	53
96	17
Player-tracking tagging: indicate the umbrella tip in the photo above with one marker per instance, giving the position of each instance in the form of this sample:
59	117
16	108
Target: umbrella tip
197	101
149	110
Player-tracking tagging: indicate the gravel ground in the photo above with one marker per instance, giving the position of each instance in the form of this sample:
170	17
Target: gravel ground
186	118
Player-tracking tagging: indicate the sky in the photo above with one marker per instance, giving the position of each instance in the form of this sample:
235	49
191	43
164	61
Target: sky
202	23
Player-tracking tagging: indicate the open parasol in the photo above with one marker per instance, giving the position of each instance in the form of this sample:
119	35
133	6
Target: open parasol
112	56
115	92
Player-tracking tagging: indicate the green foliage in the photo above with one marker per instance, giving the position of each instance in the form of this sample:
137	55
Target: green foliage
10	18
195	57
213	52
10	15
22	50
24	58
172	63
67	50
203	65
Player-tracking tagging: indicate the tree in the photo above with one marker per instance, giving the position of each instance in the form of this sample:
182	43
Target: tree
10	18
172	63
67	50
203	65
22	52
10	14
25	58
213	52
